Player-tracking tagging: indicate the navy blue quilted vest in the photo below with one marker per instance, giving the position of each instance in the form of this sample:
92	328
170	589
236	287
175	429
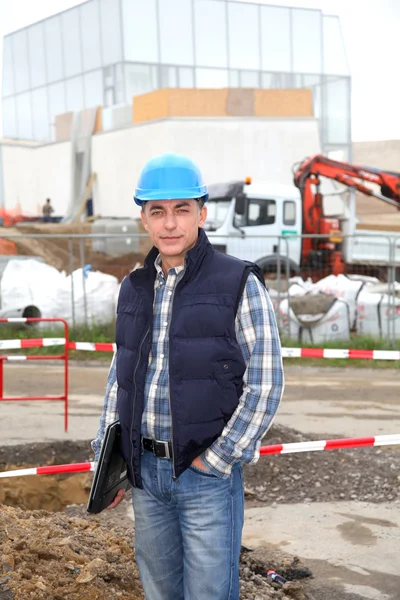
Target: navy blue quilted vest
206	364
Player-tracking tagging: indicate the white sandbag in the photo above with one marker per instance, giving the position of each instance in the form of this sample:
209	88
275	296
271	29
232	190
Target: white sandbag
378	313
326	318
30	282
345	288
98	288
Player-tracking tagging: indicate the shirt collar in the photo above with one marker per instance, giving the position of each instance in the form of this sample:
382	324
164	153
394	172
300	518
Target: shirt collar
160	272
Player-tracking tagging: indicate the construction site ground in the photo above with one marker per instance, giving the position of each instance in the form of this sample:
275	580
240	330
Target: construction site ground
337	511
67	254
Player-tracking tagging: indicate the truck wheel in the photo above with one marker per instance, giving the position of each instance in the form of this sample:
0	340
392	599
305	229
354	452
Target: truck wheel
269	265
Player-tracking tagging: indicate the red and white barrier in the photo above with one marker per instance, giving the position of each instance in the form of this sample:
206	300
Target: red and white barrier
97	347
51	470
339	353
378	440
286	352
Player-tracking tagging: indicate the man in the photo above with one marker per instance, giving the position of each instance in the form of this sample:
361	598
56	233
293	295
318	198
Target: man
196	382
47	211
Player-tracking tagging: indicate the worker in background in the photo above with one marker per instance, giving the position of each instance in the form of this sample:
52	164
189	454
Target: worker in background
47	211
196	382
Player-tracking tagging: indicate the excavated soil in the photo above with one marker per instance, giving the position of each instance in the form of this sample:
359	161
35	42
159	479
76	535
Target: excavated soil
56	251
72	555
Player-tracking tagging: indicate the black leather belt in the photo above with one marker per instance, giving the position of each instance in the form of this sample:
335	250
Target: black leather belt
159	449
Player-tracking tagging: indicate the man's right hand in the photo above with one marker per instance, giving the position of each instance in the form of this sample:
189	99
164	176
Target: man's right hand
118	498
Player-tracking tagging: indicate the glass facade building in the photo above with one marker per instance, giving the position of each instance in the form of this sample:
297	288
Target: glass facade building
104	52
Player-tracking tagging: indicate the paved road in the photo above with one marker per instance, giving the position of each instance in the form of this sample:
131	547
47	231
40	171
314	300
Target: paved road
334	402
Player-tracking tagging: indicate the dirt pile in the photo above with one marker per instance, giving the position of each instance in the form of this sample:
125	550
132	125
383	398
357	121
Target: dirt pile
54	557
57	251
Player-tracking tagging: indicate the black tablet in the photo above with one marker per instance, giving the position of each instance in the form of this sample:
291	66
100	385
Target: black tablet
111	474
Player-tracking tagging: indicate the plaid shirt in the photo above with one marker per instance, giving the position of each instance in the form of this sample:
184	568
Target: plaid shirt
258	338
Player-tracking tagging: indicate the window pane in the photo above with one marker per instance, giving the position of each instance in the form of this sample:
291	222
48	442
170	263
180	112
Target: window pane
71	42
210	33
74	93
57	104
140	30
314	83
21	64
336	111
24	116
307	31
186	77
90	35
176	35
250	79
36	55
335	59
289	213
8	67
9	118
138	80
211	78
93	83
244	44
111	35
169	77
119	84
41	121
261	212
53	44
275	39
276	80
233	77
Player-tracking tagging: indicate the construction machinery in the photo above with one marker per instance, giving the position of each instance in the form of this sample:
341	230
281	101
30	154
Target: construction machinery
264	222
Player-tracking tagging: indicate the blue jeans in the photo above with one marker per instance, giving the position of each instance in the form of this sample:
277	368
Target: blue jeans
188	533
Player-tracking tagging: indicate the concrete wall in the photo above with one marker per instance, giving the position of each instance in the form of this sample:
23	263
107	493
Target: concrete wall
380	155
30	175
225	148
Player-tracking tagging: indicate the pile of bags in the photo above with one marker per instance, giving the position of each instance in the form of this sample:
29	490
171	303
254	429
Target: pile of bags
33	283
336	305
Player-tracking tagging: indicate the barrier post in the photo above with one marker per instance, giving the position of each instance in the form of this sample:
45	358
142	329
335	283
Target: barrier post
31	343
66	375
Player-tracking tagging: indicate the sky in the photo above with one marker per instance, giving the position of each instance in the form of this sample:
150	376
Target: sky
370	31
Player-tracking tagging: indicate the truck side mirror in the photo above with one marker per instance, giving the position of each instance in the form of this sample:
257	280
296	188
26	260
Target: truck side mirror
240	205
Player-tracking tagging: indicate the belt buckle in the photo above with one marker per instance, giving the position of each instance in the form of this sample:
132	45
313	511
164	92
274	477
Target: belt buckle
166	448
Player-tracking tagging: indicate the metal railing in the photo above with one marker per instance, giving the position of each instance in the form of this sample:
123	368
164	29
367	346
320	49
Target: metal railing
371	271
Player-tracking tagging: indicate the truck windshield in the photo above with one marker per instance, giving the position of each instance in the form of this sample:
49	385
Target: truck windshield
217	211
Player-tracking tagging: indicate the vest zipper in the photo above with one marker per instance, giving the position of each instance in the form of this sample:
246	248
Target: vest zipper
134	401
174	477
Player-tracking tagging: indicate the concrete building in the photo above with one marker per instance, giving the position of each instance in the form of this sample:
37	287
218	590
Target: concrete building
104	52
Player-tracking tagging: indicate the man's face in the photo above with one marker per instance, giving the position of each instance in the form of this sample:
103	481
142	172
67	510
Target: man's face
173	225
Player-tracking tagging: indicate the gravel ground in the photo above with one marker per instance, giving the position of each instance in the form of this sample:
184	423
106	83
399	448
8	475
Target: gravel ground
367	474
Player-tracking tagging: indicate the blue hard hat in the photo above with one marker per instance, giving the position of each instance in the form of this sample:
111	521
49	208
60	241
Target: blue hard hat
170	177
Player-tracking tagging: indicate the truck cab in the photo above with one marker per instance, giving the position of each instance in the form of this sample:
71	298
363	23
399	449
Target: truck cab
247	219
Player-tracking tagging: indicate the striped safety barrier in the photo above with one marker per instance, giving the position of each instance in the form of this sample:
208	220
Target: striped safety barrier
286	352
343	443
